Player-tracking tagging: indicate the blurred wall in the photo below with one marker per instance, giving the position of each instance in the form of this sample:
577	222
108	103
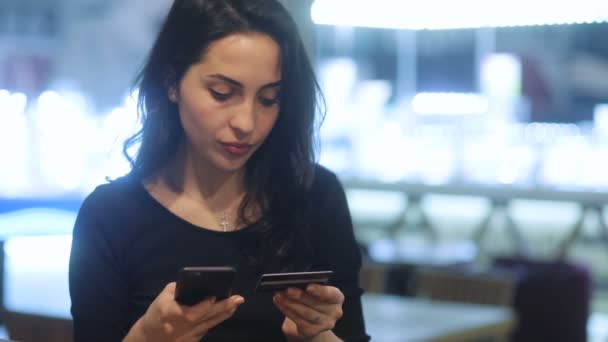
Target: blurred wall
105	44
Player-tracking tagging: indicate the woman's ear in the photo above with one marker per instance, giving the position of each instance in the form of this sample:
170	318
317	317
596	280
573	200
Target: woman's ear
172	94
171	85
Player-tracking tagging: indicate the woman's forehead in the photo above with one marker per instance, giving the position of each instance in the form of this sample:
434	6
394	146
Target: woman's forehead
246	57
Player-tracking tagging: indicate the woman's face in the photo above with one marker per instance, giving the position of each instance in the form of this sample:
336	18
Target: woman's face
228	102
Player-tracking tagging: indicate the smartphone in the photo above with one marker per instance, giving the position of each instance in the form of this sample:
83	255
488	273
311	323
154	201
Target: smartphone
272	282
195	284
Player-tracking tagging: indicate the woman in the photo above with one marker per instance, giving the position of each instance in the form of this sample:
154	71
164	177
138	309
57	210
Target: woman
225	175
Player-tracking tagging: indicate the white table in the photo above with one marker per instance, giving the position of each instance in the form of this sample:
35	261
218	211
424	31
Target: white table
589	200
401	319
38	285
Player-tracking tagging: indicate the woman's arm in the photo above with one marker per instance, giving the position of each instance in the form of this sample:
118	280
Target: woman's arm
97	288
335	312
343	254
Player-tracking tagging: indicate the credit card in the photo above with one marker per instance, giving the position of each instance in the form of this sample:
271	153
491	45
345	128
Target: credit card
272	282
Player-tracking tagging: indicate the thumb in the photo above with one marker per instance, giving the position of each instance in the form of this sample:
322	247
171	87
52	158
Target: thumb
289	327
170	288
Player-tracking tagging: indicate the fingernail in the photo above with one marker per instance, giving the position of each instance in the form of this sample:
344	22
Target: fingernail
292	293
277	298
239	300
312	288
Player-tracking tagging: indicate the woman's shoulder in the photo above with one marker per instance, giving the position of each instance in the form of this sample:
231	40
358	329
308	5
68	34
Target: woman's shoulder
325	187
115	210
326	191
114	194
324	179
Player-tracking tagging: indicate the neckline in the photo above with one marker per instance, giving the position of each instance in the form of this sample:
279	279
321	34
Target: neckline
142	189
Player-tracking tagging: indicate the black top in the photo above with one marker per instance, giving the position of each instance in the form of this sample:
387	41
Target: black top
127	246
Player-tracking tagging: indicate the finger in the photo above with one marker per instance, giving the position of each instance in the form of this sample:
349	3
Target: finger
302	326
223	306
203	327
211	308
170	289
226	305
289	327
299	310
169	312
314	302
328	294
167	308
199	310
167	295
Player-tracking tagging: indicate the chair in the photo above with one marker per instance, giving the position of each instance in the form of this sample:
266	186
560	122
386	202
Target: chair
465	284
552	299
26	327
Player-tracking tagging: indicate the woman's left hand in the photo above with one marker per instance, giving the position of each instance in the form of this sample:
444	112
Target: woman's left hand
311	312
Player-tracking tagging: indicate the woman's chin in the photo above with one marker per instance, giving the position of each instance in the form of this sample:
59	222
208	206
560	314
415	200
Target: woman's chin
231	165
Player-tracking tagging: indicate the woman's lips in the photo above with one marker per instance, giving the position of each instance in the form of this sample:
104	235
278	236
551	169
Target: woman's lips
237	149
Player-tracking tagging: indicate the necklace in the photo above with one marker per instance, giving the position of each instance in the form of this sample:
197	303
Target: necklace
224	222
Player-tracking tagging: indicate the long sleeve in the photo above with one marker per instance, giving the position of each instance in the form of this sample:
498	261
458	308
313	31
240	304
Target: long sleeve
97	288
342	253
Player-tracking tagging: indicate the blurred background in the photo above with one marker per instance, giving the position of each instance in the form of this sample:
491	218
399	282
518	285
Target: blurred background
471	137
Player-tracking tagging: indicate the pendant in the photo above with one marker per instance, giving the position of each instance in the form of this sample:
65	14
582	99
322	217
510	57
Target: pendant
224	222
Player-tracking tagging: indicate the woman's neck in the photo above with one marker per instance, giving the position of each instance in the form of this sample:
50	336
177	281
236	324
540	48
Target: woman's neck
201	182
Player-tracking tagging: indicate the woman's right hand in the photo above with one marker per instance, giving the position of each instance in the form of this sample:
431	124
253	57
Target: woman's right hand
166	320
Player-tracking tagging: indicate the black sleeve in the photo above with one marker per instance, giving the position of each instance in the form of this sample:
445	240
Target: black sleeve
97	288
342	253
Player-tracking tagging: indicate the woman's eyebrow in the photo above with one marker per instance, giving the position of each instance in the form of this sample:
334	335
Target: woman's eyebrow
240	85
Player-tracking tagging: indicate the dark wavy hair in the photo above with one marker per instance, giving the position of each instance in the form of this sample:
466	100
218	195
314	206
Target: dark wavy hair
282	169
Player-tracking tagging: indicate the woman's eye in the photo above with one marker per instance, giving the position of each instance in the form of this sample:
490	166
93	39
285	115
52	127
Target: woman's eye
268	102
219	96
